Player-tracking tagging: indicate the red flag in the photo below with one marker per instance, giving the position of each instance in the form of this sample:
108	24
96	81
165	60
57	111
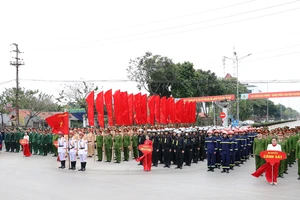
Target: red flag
151	107
194	112
125	108
108	104
100	109
163	110
117	107
90	112
137	108
179	109
130	108
157	109
144	109
59	123
170	108
173	111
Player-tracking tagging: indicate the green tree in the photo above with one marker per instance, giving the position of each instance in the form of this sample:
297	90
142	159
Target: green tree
32	100
74	95
154	73
3	108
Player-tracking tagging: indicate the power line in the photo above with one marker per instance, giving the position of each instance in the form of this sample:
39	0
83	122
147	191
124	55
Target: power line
200	22
178	17
195	29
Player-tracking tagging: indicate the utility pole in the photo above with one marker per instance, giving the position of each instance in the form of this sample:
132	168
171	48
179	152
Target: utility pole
18	62
236	59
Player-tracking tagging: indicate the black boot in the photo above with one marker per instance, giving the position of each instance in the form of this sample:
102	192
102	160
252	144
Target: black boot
61	165
81	167
74	165
299	178
223	171
84	165
71	165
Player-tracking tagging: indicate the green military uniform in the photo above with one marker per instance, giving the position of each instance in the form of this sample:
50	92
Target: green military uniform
295	140
135	146
45	142
7	141
99	143
17	141
108	147
291	146
54	138
282	165
258	146
35	137
40	144
297	154
118	147
49	146
126	145
12	141
30	141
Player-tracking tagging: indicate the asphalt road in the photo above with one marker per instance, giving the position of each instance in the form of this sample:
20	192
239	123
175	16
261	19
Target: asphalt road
38	178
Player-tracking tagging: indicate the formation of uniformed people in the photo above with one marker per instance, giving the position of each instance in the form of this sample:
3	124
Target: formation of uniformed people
289	140
223	148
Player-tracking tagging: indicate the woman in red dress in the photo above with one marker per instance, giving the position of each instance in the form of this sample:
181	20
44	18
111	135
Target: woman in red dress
26	150
147	159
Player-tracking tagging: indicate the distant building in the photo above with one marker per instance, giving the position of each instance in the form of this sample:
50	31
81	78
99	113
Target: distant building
252	88
228	76
38	121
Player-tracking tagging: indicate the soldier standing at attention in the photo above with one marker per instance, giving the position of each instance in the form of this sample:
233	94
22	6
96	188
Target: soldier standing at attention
72	148
99	142
82	151
62	145
7	140
156	145
179	150
108	146
167	142
118	146
297	154
210	147
225	147
135	144
259	145
126	145
91	143
12	141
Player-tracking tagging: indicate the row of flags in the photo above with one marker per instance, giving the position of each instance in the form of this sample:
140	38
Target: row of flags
128	109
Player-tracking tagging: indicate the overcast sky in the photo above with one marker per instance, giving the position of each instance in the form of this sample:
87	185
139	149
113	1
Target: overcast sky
94	40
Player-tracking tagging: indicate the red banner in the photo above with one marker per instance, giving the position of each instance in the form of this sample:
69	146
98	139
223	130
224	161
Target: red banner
273	157
108	103
90	111
100	109
145	149
268	95
144	109
163	110
157	109
210	98
179	111
23	142
170	110
151	107
125	109
130	108
137	108
117	107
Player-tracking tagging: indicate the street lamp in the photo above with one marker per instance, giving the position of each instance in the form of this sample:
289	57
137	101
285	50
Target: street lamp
237	82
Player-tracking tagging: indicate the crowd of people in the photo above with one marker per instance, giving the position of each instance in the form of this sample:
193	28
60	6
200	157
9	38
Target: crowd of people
223	148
